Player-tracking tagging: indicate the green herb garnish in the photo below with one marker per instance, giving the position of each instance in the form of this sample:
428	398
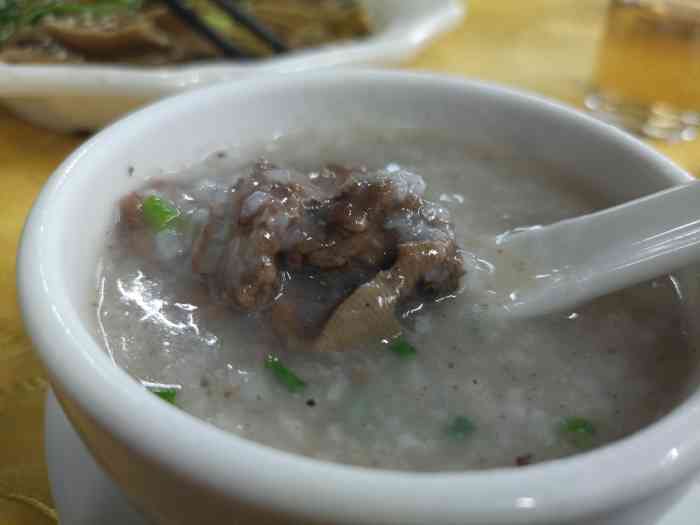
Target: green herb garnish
159	213
284	375
165	393
460	427
10	16
578	431
16	14
402	348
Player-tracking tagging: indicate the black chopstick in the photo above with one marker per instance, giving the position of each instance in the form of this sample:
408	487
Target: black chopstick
250	23
192	19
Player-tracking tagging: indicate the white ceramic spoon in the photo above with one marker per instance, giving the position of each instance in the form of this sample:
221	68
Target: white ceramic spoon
567	263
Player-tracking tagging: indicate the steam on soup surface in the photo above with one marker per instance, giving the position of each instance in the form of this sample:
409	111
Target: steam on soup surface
236	288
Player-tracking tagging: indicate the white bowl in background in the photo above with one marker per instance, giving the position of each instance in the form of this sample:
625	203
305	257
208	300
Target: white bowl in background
86	97
179	469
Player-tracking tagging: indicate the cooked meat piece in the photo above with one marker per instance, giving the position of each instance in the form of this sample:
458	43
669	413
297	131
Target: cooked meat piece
131	38
153	35
35	47
263	208
366	315
130	210
307	299
325	258
433	267
428	265
377	226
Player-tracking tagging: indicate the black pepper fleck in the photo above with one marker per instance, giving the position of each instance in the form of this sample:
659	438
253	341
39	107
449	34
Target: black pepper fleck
524	460
310	402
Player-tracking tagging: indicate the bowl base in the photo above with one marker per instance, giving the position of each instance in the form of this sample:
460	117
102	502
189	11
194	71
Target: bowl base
82	492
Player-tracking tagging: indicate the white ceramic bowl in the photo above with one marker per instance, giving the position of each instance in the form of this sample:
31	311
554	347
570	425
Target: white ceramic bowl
178	469
88	96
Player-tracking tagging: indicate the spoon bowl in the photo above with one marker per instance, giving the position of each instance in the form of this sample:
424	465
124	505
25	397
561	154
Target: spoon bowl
544	269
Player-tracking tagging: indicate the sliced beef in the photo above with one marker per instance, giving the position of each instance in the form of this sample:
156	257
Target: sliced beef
155	36
341	222
326	257
261	213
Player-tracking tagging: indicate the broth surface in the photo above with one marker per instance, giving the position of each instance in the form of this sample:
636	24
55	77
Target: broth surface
620	362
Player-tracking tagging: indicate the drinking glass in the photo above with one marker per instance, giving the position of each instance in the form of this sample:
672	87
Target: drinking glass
647	76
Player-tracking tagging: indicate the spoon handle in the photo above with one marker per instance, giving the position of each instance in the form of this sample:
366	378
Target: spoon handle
602	252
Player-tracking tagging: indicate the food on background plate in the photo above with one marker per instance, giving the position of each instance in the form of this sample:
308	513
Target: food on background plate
146	32
322	299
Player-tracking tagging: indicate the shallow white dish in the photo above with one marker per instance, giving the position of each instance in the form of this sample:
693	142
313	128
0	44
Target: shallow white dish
87	97
85	495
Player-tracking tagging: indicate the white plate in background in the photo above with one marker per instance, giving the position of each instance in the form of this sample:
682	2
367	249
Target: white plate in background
87	97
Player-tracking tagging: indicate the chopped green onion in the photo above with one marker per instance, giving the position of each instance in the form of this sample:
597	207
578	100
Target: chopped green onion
460	427
578	431
402	348
284	375
159	213
166	394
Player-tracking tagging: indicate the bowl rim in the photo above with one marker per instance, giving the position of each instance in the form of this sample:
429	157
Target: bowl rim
654	459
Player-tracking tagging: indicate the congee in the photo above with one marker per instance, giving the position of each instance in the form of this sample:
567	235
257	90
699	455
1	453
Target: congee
332	298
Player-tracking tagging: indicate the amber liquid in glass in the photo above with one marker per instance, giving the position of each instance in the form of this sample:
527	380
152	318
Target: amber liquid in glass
647	78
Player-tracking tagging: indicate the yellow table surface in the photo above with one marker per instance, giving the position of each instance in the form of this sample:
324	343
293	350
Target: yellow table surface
547	46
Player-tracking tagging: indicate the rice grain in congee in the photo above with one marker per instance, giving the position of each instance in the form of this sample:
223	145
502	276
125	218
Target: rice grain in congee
235	323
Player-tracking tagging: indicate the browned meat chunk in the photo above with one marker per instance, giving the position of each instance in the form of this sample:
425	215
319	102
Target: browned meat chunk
341	222
153	35
263	209
428	266
130	210
325	258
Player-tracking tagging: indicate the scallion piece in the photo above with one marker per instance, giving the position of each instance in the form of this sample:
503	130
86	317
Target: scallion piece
284	375
460	427
402	348
166	394
158	213
578	431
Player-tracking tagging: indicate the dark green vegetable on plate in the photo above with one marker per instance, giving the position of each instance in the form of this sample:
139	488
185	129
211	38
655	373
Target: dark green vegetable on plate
17	14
